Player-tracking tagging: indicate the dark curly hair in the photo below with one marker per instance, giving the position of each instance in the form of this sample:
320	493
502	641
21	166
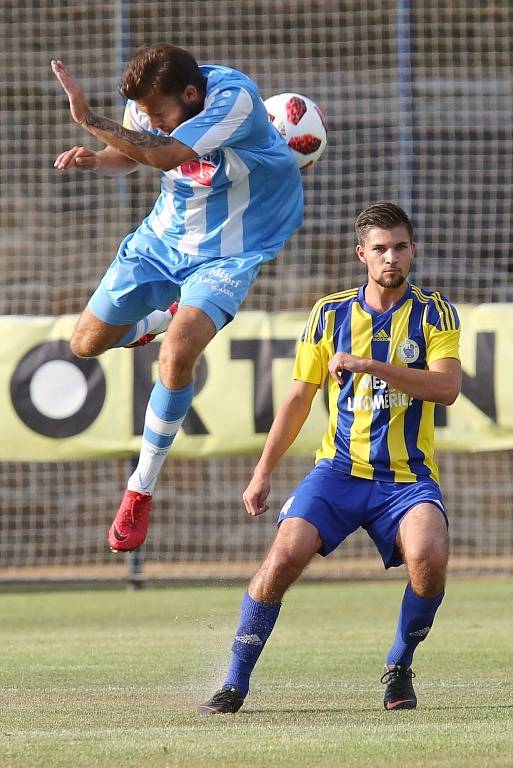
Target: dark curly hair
161	69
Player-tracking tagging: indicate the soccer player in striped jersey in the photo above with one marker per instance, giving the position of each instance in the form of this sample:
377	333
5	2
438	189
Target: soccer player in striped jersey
231	195
389	352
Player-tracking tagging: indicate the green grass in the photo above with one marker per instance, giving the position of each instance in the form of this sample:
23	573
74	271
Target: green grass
112	678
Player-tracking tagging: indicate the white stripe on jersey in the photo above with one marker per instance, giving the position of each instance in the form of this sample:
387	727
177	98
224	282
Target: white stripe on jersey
161	221
217	135
210	97
234	167
232	237
195	221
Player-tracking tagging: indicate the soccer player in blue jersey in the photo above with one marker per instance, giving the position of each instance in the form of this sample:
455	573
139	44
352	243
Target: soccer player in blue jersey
231	195
390	352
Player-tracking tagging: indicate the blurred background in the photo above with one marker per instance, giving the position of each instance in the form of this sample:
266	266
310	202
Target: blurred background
419	102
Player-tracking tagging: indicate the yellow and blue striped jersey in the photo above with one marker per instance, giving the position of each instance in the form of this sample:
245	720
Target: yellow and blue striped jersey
375	431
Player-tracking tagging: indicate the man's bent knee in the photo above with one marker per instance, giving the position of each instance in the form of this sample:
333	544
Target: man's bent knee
424	542
90	344
185	340
296	543
427	572
92	336
83	347
176	366
272	580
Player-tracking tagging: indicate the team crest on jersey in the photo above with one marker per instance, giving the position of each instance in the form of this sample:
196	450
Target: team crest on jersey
408	351
200	170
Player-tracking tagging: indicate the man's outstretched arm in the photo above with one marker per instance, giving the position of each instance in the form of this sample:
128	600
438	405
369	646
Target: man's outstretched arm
161	152
286	426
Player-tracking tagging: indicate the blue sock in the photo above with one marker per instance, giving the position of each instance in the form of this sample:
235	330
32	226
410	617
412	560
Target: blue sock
166	410
415	620
255	625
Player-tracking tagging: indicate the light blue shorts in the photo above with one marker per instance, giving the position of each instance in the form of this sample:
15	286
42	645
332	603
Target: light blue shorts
147	274
337	504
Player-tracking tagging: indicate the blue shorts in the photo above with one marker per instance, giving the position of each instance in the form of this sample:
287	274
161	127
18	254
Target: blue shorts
337	504
147	274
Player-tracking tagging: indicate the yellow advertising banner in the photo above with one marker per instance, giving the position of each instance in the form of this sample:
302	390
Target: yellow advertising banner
56	407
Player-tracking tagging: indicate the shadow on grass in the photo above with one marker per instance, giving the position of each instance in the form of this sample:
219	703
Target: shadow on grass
353	710
468	706
310	711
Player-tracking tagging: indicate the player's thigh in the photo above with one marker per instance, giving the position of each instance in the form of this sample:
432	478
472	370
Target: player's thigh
334	503
93	336
136	283
423	536
389	504
296	542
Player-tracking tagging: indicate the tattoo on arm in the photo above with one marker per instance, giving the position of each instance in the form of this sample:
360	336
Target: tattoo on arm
133	144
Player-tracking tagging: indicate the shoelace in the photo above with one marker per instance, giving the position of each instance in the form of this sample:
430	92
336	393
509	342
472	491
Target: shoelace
391	675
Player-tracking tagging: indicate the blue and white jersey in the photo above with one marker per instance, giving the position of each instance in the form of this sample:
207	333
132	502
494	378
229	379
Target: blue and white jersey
243	193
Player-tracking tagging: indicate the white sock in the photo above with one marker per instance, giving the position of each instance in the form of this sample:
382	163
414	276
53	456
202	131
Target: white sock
151	459
156	322
165	413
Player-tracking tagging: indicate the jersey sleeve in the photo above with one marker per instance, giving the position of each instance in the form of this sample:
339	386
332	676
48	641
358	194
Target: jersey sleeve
226	119
133	119
311	363
442	330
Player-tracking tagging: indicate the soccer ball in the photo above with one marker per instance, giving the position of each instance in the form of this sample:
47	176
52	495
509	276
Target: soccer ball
301	123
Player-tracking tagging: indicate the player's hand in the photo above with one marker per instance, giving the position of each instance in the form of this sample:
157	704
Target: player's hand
342	361
78	157
255	495
77	101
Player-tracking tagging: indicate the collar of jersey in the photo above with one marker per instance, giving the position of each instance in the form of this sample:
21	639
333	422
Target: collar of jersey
374	312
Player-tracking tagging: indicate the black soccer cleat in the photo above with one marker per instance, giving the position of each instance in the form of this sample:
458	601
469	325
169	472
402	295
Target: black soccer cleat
225	701
399	693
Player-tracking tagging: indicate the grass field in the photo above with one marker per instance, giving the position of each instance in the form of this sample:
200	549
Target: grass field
112	678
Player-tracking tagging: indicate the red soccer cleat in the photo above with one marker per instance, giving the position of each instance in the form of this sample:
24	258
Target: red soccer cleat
142	341
173	308
130	526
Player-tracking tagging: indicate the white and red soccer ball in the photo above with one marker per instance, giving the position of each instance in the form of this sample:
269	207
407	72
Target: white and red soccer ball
301	123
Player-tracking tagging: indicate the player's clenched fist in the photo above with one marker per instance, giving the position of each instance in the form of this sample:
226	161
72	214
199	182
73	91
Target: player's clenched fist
342	361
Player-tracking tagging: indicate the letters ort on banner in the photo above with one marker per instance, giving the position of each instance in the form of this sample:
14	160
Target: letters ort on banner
56	407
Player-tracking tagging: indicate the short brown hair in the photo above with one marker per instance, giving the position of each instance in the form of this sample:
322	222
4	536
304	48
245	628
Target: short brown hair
384	216
160	69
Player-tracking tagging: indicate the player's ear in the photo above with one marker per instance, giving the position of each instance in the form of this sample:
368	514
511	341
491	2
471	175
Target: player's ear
190	94
360	252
